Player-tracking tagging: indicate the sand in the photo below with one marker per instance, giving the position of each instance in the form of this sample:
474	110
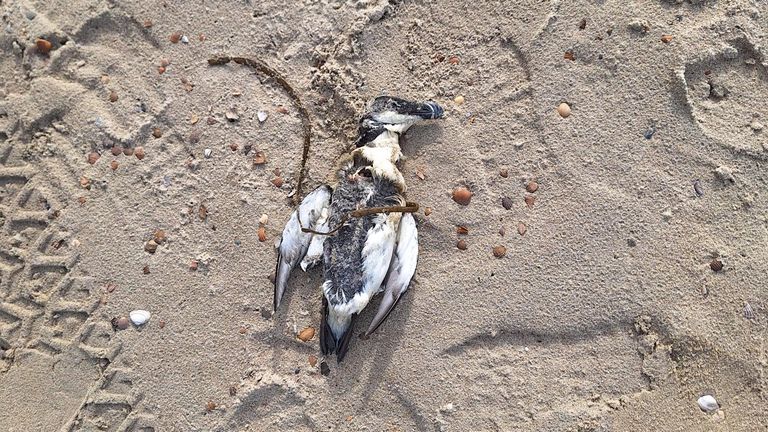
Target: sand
606	315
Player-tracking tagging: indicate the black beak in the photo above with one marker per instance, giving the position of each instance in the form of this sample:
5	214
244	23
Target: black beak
428	110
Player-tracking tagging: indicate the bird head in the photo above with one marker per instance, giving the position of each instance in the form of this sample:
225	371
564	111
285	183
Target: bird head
388	113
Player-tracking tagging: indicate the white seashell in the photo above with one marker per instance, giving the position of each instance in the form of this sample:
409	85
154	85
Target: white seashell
708	403
184	39
207	153
262	115
263	219
139	317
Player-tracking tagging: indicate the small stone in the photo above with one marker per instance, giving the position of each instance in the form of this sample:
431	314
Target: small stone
262	234
564	110
529	200
716	265
282	110
85	182
147	23
113	165
175	37
521	228
259	158
121	323
266	313
462	195
306	334
499	251
116	150
145	270
641	27
159	237
231	115
325	370
243	330
262	116
427	211
202	212
277	181
113	96
569	56
504	172
698	188
93	157
160	70
264	219
43	46
708	403
583	24
128	151
312	360
725	174
461	245
458	100
150	246
233	147
207	153
210	406
532	186
502	231
666	38
462	230
506	202
232	390
185	39
157	132
756	126
139	153
454	60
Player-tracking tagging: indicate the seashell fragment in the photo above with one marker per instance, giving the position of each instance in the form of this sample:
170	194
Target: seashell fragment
306	334
708	403
262	116
139	317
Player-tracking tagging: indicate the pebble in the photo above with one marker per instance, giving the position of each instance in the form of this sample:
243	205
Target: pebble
461	245
262	234
716	265
325	370
233	147
564	110
151	246
175	37
117	150
259	158
263	219
121	323
725	174
306	334
128	151
207	153
161	70
85	182
202	212
147	23
504	172
529	200
462	230
139	153
499	251
43	46
93	157
666	38
113	165
312	360
506	202
708	403
113	96
502	231
210	406
139	316
532	186
462	195
185	39
282	110
521	228
458	100
698	188
157	132
231	115
427	211
145	270
748	312
277	181
262	116
756	126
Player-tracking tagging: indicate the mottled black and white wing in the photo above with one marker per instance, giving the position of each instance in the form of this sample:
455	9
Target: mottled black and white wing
401	270
294	243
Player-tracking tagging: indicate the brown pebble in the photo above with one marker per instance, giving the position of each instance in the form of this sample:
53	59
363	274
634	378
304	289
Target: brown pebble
325	370
462	230
583	24
210	406
85	182
504	172
521	228
233	147
160	70
569	56
427	211
121	323
259	158
175	37
147	23
193	265
161	324
306	334
93	157
194	136
454	60
282	110
461	244
145	270
532	186
202	212
666	38
502	231
462	195
506	202
312	360
81	200
157	132
243	330
420	174
159	237
210	121
564	110
262	234
139	153
113	165
113	96
43	46
716	265
499	251
128	151
529	199
150	246
277	181
116	150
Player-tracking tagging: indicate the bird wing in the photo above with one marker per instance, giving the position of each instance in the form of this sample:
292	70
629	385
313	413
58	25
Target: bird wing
401	270
294	243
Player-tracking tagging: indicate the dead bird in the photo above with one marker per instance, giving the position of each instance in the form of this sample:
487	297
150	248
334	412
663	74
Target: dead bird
363	252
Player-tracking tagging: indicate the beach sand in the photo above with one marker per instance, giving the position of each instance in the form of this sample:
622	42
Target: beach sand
609	311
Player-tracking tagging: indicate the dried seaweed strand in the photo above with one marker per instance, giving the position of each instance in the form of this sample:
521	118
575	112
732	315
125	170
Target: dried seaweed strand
409	207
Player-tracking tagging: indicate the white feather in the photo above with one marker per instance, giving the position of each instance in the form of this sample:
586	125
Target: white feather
315	251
